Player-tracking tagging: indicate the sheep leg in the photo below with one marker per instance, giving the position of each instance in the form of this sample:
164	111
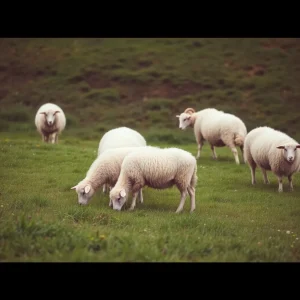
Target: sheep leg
133	201
191	192
56	138
52	138
141	195
213	152
291	183
182	200
46	138
105	187
242	151
110	203
266	180
200	144
280	189
236	155
252	168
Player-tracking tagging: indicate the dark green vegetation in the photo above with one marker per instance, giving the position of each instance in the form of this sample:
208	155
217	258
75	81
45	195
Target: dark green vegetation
143	83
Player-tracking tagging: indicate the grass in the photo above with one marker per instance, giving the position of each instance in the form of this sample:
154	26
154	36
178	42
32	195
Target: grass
233	221
96	81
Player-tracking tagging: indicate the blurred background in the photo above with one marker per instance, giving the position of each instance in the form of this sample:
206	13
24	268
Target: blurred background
103	83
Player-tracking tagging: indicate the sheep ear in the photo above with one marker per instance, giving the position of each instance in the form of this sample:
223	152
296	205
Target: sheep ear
74	187
42	113
56	112
177	116
122	193
298	146
87	188
280	147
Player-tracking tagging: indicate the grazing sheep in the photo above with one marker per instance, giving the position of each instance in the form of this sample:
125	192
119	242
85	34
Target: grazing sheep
219	129
105	169
120	137
50	121
156	168
274	151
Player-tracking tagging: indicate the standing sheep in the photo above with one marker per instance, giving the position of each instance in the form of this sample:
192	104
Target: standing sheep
105	169
274	151
219	129
120	137
50	121
159	169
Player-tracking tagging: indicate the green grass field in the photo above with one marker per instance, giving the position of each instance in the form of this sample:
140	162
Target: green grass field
143	83
233	221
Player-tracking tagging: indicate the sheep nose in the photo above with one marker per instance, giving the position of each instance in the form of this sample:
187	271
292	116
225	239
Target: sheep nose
290	158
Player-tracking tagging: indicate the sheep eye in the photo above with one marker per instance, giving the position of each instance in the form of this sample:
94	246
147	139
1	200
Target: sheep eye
119	199
184	119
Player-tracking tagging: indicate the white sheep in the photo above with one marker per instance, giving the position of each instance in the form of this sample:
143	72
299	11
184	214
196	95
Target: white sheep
50	121
271	150
216	127
104	170
120	137
156	168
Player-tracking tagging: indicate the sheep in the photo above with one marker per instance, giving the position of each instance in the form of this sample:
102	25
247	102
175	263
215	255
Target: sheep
218	128
105	169
274	151
159	169
120	137
50	121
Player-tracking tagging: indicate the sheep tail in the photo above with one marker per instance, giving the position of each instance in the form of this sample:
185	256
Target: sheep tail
239	140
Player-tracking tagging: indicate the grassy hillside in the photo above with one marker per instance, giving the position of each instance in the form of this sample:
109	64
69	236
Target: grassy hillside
142	83
40	219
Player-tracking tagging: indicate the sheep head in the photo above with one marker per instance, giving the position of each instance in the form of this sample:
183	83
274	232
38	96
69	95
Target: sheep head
85	192
118	197
289	151
50	116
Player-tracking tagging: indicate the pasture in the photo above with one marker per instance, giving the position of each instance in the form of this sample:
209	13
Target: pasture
233	221
104	83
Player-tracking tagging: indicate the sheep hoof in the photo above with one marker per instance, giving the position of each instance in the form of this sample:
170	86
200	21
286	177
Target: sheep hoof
131	209
280	190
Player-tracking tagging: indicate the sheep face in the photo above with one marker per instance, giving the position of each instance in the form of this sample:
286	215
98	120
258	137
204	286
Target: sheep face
85	193
50	116
289	151
184	120
118	198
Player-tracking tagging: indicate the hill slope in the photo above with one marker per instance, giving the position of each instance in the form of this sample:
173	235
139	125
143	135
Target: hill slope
142	83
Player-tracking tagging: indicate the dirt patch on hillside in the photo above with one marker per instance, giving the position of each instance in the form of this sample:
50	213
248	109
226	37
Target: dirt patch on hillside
256	70
137	91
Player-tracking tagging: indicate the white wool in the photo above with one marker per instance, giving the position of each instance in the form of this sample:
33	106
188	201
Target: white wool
156	168
47	113
260	150
120	137
216	127
104	170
